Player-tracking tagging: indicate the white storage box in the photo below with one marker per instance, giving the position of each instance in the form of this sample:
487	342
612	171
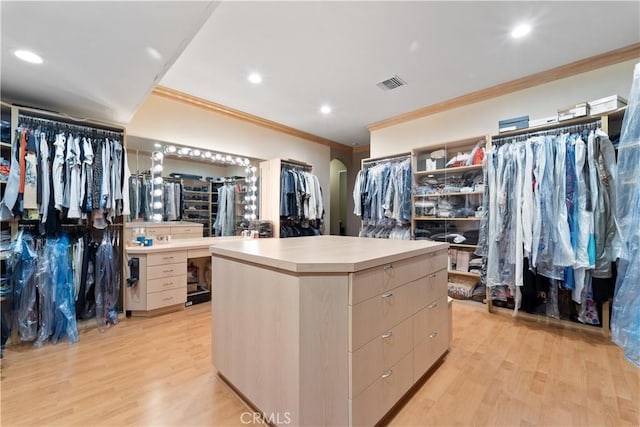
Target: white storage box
609	103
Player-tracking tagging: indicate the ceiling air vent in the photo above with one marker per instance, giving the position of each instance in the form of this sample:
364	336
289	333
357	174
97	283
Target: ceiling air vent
391	83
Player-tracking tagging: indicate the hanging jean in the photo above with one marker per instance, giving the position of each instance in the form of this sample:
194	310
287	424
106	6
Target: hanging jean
107	284
21	268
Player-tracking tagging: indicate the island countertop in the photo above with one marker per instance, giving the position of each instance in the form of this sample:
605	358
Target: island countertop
325	254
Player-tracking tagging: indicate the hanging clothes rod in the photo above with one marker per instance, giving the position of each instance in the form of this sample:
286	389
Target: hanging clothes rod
553	131
293	164
31	120
395	158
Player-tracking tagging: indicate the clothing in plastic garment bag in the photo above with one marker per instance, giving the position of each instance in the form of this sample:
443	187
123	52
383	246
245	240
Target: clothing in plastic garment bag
625	321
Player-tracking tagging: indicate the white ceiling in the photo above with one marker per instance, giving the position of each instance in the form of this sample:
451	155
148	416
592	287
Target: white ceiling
97	58
97	64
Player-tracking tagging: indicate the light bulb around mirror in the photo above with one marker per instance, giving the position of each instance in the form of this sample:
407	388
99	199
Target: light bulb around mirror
157	192
157	168
157	180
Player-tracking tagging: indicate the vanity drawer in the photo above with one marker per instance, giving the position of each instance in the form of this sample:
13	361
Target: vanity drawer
166	283
379	355
375	316
367	408
428	350
155	231
429	318
186	232
164	258
167	270
166	298
431	289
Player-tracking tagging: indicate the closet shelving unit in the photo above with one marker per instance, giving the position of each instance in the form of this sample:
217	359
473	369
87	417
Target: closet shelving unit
610	123
10	115
270	188
373	161
426	211
196	203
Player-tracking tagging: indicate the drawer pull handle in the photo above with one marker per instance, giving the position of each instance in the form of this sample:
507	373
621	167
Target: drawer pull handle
387	374
167	284
433	335
168	271
387	335
434	305
167	257
387	295
434	275
388	267
167	299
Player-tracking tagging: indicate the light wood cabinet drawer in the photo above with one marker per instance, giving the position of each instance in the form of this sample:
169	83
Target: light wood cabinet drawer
427	351
199	253
166	283
164	258
167	270
377	315
378	355
430	290
373	281
377	399
166	298
156	231
186	232
429	319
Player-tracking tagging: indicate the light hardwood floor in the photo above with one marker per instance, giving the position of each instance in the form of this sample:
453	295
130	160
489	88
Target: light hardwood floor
157	372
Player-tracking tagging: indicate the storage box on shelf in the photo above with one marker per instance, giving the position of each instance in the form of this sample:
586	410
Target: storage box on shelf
447	205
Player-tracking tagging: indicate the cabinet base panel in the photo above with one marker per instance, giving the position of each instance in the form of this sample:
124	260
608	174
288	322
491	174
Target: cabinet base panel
156	312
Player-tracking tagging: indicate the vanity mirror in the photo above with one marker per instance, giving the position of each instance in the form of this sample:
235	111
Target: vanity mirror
176	182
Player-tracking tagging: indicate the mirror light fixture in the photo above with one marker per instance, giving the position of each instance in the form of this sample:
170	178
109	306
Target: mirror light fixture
226	160
157	195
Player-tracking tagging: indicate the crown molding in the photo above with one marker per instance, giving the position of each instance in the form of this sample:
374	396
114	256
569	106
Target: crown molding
578	67
186	98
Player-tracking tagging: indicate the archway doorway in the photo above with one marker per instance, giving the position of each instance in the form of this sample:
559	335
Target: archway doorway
338	197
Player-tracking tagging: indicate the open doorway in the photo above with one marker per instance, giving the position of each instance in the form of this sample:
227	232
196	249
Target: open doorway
338	197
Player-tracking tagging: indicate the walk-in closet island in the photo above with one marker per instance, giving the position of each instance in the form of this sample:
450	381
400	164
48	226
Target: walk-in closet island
328	330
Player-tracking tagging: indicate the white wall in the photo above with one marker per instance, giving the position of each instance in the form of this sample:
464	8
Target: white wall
482	118
171	121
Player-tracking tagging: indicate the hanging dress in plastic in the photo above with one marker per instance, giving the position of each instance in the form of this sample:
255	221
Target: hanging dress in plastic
625	321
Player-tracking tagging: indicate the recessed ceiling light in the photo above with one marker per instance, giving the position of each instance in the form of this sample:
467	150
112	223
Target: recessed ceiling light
154	53
325	109
157	145
520	31
28	56
255	78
